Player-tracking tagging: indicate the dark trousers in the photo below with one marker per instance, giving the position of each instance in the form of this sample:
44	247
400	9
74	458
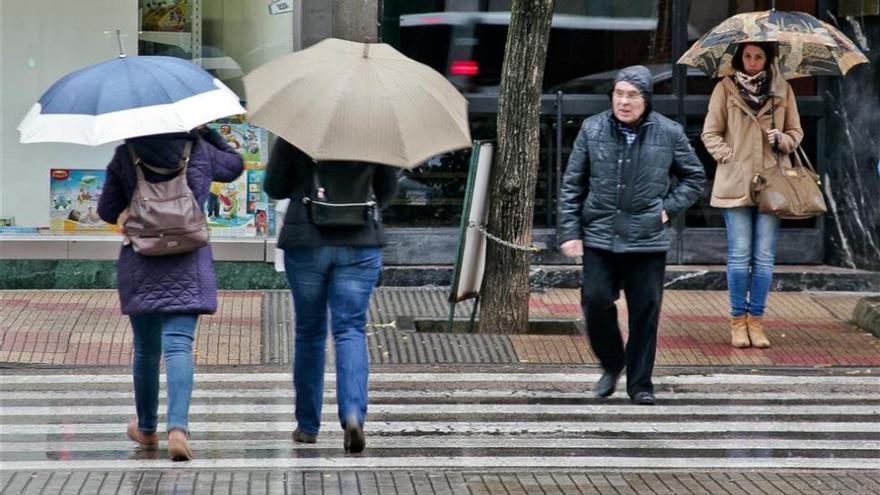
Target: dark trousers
641	277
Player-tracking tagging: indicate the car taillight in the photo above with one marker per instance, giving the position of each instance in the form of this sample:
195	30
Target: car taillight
464	68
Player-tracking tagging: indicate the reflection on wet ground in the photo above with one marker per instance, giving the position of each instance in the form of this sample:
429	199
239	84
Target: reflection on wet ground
456	420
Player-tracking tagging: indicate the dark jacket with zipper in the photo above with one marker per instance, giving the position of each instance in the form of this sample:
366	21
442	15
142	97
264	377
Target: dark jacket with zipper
613	193
177	283
289	175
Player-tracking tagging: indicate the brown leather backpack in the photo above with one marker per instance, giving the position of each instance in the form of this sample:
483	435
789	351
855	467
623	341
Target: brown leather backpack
164	217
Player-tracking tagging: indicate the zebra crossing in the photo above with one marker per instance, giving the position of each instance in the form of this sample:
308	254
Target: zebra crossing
467	420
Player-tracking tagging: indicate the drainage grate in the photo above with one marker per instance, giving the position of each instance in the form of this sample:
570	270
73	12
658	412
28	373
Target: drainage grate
386	342
277	321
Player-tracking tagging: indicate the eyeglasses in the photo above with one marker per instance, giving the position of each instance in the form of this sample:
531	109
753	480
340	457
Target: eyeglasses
626	95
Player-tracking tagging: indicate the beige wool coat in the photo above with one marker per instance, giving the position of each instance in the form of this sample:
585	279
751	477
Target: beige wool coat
736	138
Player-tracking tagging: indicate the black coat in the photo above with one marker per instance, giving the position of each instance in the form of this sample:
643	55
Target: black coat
289	176
613	193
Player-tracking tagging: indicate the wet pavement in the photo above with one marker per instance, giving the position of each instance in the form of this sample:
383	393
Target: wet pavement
450	413
458	429
85	328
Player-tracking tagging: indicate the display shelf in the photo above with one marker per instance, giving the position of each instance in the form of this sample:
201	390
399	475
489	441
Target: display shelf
180	39
98	247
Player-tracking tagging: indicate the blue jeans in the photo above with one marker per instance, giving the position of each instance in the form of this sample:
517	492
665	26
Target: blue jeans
154	334
751	250
340	278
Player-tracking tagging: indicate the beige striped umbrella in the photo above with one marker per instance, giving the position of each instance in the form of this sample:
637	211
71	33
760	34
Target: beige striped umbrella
341	100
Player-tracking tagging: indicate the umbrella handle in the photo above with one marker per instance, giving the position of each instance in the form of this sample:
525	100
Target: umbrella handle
773	120
119	40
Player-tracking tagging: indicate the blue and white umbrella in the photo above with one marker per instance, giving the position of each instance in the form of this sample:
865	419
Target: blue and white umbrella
128	97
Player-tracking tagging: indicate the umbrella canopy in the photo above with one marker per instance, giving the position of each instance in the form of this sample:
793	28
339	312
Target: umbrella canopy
128	97
807	46
341	100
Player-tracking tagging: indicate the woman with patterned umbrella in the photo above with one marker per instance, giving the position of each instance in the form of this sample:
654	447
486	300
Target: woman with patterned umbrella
807	46
753	123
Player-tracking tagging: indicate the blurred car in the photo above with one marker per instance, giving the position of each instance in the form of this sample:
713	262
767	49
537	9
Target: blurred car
602	82
468	47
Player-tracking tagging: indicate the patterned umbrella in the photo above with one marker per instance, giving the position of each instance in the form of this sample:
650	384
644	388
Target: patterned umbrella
807	46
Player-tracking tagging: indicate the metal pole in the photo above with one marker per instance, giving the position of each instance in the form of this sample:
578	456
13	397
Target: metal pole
559	125
474	314
119	39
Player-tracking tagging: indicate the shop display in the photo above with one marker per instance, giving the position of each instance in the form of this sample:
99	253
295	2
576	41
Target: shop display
74	201
247	139
165	15
241	208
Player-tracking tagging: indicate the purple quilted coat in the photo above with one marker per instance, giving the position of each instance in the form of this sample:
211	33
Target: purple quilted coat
181	283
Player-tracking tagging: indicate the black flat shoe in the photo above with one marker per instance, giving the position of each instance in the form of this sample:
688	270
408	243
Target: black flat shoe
354	440
606	385
644	399
303	437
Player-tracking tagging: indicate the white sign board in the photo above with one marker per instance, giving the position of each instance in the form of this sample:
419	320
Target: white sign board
471	262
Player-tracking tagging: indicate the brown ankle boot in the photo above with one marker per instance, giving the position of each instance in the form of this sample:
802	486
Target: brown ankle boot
147	441
739	332
178	446
756	333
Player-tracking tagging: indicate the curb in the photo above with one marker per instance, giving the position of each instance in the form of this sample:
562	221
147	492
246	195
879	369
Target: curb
867	315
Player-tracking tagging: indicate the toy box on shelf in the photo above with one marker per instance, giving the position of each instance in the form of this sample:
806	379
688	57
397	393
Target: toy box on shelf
241	208
74	201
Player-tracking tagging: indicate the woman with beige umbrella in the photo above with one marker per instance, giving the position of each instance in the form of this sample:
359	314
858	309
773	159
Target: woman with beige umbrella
346	115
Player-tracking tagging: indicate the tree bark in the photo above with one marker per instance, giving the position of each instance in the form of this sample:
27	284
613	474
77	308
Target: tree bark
505	291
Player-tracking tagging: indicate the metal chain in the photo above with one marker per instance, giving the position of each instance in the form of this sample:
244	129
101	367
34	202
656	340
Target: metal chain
482	229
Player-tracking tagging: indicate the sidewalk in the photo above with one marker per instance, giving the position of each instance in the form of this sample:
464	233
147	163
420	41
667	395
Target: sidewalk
85	328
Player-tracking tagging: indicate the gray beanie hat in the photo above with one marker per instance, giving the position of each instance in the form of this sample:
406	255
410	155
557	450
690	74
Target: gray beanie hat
640	77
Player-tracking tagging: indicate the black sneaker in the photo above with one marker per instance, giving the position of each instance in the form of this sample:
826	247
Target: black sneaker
644	399
354	440
607	384
303	437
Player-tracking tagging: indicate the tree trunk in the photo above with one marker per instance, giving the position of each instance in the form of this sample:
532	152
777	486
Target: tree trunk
505	291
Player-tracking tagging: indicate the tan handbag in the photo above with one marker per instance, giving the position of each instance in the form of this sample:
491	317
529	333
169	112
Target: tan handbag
789	193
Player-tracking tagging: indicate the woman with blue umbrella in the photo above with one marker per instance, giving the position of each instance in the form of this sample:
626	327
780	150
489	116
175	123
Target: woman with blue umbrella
158	105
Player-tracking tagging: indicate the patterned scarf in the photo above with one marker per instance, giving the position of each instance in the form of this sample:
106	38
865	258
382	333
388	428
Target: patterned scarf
630	133
753	89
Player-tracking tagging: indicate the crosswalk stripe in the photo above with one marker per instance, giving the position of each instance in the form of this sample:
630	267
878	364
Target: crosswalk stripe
328	441
471	409
718	379
438	462
287	393
466	427
504	421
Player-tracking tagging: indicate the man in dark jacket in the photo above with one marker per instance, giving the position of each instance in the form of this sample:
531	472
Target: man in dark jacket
615	203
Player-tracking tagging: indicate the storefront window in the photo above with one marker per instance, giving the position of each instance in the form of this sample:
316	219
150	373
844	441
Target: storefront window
433	193
228	38
589	42
53	187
